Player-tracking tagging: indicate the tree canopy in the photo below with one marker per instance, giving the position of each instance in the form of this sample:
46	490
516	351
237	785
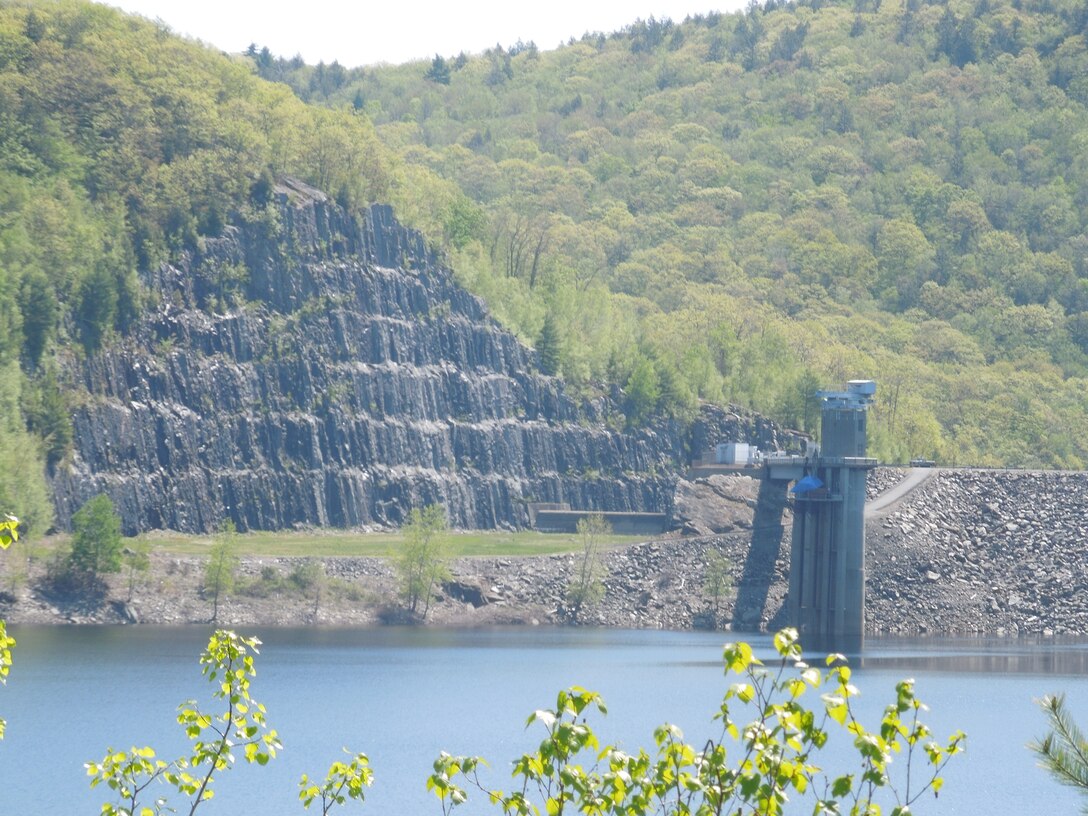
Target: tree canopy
798	192
732	207
122	145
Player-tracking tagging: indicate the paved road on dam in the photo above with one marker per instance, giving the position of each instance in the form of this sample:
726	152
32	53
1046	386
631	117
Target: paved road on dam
889	498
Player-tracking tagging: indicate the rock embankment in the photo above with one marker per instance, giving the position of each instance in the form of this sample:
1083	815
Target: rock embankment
656	584
882	479
1001	552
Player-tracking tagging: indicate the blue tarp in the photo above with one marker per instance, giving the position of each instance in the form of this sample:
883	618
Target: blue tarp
805	484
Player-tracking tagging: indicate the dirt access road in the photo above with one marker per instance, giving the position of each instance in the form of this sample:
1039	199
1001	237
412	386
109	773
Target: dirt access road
889	498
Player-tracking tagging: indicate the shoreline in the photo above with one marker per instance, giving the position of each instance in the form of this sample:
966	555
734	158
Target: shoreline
652	585
965	553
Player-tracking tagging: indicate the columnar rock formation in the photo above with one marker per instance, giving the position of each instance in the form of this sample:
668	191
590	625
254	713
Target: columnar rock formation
309	368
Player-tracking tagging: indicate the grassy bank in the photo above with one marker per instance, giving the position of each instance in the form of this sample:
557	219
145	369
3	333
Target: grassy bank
331	543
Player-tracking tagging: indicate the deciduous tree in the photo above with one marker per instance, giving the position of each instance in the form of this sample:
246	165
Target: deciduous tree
219	573
585	588
96	538
753	767
421	561
718	580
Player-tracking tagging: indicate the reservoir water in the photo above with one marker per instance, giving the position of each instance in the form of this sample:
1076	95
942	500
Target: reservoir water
403	695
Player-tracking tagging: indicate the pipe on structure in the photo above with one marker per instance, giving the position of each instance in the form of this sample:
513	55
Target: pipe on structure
827	560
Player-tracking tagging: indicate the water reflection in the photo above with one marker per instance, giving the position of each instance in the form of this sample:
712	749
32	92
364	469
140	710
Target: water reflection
1046	657
1042	656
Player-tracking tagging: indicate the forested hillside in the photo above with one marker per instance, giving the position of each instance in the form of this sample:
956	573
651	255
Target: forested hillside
742	207
735	208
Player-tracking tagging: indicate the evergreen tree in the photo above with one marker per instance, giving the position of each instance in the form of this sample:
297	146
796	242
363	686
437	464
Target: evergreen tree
439	71
789	42
47	415
963	50
946	32
673	397
38	304
96	307
1064	750
548	346
643	392
715	52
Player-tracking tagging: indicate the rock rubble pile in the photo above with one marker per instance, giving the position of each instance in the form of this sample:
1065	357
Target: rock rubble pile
655	585
882	479
996	552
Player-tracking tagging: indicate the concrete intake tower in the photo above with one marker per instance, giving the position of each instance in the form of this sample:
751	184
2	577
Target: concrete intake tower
827	560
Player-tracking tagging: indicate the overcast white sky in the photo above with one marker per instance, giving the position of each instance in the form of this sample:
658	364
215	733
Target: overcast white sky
396	31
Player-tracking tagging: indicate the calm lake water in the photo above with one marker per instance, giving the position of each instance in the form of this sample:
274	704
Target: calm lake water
403	695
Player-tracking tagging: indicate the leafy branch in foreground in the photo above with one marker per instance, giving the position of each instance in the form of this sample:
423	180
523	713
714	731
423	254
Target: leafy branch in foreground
754	769
345	780
227	664
9	533
1063	751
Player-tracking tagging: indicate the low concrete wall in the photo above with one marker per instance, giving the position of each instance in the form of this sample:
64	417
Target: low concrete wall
566	521
700	470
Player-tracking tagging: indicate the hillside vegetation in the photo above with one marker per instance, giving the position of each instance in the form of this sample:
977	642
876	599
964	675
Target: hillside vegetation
739	207
743	207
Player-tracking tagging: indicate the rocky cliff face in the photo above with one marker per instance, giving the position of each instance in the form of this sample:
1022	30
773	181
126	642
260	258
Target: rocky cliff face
315	369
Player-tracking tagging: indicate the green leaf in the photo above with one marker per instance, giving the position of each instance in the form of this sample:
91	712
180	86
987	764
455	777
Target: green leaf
738	657
842	786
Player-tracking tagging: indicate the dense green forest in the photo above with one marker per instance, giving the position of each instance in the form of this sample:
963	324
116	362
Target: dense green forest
740	207
734	208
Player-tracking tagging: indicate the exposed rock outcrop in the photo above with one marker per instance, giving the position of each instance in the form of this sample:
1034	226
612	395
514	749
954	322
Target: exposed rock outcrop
720	503
308	368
